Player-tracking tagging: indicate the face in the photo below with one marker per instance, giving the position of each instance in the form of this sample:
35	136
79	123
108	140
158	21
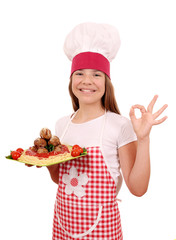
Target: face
88	85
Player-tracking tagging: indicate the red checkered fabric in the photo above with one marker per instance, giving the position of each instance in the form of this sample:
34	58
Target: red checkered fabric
86	206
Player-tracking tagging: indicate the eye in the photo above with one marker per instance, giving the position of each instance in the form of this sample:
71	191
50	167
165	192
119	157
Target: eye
78	73
98	74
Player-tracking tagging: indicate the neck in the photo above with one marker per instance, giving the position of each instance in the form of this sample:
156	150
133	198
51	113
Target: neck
88	113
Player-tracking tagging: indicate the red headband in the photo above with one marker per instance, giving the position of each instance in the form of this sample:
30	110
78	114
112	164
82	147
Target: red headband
91	60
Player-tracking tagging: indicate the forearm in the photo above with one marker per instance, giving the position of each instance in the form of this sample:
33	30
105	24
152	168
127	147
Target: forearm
54	172
140	173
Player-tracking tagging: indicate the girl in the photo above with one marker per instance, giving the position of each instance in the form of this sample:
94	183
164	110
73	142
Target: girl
86	205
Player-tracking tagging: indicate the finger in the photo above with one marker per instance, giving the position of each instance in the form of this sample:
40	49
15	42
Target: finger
132	113
28	165
38	166
140	107
152	103
161	110
156	122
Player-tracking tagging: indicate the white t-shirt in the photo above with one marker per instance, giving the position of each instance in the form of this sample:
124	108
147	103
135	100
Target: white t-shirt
117	132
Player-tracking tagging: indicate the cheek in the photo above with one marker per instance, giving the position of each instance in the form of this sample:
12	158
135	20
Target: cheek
75	84
102	87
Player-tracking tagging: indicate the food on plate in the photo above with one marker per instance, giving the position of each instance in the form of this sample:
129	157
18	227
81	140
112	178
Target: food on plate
42	150
45	133
47	150
34	148
20	150
15	155
55	141
58	148
40	142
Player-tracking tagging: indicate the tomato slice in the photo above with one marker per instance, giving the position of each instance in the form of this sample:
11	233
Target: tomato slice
80	150
20	150
75	147
15	155
75	153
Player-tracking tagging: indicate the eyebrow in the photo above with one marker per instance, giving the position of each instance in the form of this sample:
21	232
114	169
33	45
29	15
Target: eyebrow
93	70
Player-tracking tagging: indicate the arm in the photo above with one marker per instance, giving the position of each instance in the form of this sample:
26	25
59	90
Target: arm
54	172
135	165
135	156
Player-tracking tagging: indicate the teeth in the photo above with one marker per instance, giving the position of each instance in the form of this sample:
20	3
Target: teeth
86	90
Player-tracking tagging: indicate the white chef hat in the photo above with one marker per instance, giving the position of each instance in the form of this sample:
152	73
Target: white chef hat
92	46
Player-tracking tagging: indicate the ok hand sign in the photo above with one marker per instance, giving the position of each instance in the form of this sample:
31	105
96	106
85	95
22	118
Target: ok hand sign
142	126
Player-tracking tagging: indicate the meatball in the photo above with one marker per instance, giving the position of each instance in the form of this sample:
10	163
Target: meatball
34	148
58	148
45	133
54	141
40	142
42	150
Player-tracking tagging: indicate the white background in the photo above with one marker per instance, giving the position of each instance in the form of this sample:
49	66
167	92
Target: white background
34	76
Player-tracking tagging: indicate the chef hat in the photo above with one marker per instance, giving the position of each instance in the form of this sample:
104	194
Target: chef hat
92	46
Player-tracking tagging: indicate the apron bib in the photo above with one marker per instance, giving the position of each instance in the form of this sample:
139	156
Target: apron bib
86	206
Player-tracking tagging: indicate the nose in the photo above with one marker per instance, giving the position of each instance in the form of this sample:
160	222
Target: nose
87	79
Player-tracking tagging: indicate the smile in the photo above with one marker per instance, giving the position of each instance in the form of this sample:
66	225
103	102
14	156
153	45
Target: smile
87	90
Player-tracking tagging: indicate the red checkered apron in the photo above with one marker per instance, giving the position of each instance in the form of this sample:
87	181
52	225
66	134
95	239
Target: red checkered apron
86	206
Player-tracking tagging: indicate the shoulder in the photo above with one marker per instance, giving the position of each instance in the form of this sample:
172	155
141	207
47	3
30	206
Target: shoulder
61	124
120	129
62	120
117	119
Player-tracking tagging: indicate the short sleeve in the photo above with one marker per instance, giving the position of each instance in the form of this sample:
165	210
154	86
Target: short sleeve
127	134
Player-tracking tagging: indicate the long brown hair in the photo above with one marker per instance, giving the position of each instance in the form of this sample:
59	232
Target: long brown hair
108	100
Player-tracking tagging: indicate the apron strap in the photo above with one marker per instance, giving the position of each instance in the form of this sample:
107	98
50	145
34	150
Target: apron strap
68	123
102	129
